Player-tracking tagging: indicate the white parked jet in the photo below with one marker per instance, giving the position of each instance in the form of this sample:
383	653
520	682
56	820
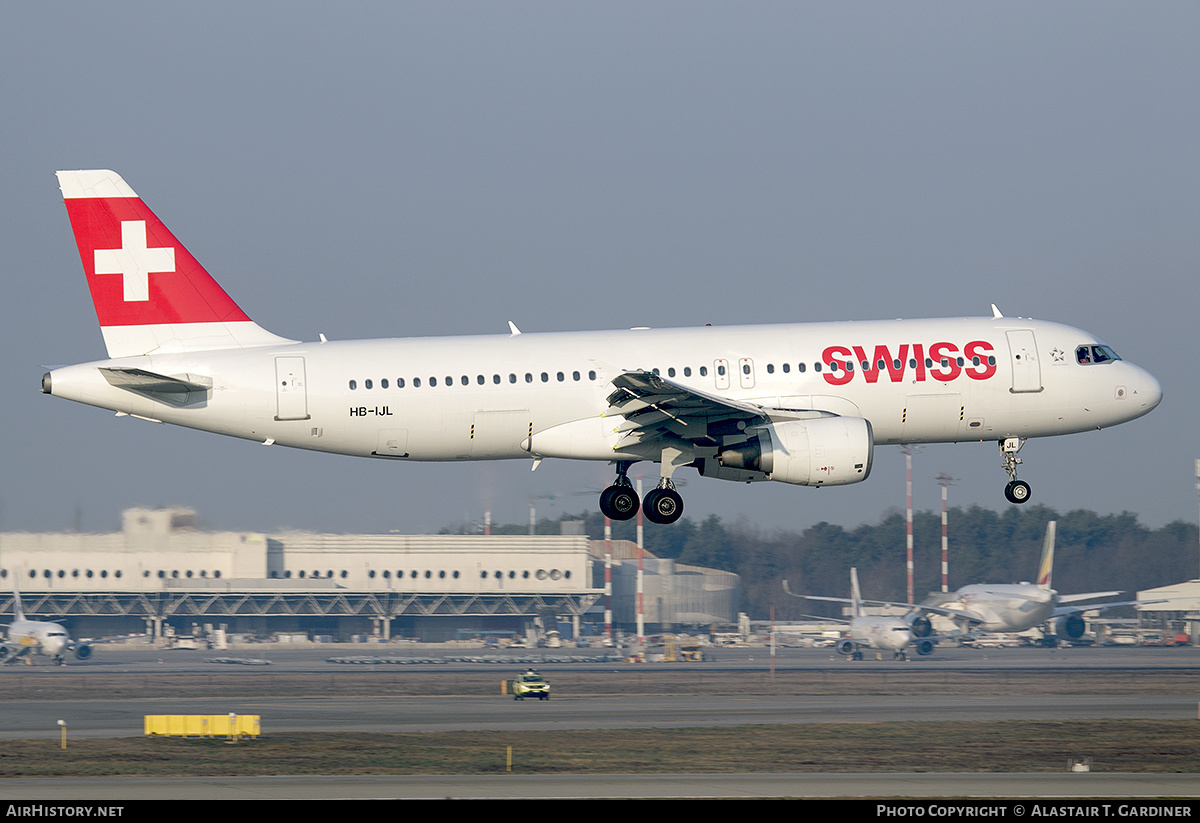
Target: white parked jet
803	404
28	637
1017	607
894	634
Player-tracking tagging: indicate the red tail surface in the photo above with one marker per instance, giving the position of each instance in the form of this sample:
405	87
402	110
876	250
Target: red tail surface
150	293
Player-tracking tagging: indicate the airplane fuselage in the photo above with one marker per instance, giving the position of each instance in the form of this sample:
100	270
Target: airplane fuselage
49	639
543	395
1012	607
884	633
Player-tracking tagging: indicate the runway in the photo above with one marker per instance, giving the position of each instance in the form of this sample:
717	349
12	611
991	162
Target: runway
107	717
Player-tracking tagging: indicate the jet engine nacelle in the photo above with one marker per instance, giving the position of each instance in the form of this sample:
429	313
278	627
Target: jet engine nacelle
1071	626
924	646
827	451
845	647
82	651
921	627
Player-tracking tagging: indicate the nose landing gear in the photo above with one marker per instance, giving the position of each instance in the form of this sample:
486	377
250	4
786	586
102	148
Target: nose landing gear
1017	491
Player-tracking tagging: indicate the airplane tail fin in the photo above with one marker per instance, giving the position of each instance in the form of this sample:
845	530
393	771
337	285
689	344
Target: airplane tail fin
150	294
855	594
1046	569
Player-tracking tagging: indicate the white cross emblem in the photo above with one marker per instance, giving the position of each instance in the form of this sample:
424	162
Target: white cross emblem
133	261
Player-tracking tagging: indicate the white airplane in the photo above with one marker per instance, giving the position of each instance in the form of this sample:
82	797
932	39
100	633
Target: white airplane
803	404
1017	607
894	634
29	637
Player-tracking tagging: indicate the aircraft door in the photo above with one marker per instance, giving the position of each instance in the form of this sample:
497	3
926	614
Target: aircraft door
291	394
1026	370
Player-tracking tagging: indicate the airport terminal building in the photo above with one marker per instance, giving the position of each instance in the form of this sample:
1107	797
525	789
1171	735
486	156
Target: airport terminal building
160	570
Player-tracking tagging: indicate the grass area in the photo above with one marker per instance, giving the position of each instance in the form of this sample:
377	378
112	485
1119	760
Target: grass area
1020	746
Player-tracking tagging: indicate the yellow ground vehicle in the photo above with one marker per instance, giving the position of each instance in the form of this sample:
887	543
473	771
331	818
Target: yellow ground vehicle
530	684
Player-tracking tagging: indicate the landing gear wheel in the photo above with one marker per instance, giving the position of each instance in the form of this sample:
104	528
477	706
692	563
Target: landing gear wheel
663	506
619	502
1017	491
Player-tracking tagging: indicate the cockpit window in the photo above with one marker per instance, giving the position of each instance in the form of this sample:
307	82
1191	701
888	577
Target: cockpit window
1091	355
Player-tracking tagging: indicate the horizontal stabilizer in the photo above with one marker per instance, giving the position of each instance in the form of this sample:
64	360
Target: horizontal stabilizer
174	389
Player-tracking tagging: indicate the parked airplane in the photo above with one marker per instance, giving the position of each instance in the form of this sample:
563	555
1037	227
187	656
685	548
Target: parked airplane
1017	607
894	634
803	404
29	637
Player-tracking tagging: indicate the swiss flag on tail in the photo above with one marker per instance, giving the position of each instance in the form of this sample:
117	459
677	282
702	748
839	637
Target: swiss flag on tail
143	281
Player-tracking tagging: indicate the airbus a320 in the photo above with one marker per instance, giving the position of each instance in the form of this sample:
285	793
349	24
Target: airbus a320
803	404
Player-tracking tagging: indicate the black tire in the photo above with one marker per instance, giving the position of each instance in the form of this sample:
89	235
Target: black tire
619	502
663	506
1017	491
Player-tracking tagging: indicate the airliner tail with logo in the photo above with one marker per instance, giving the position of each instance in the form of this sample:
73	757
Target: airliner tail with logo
803	404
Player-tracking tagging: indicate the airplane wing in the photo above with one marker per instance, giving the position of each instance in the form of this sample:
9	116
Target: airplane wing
1064	611
918	608
658	409
1074	598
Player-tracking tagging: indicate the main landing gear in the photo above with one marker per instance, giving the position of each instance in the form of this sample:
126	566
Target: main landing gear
663	504
1017	491
619	501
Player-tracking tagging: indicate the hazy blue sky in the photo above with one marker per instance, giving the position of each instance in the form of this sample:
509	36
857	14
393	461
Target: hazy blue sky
396	169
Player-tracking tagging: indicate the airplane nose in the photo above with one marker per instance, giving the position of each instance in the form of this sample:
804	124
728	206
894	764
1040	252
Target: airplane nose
1150	392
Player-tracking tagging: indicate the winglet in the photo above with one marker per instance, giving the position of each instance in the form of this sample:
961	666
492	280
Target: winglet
996	312
512	328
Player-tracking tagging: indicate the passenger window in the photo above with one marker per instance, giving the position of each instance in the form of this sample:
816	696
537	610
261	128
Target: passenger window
416	382
704	371
399	382
433	381
687	371
353	385
575	375
383	384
